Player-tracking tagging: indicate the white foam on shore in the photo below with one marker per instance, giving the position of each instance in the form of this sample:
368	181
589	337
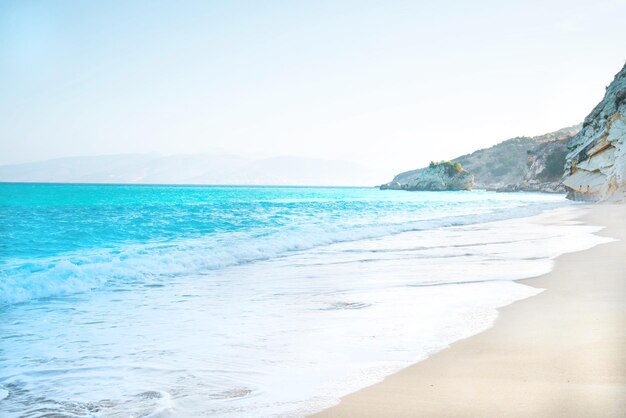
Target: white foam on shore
86	270
286	336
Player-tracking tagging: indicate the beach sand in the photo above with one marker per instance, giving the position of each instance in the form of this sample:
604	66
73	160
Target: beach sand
561	353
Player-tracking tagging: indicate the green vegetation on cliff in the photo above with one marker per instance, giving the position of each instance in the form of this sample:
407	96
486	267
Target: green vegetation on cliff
438	176
522	163
450	167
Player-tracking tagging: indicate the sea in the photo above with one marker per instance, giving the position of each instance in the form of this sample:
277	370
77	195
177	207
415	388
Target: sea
177	301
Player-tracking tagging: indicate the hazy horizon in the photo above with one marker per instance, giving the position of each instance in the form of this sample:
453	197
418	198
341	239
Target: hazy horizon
391	85
216	167
199	169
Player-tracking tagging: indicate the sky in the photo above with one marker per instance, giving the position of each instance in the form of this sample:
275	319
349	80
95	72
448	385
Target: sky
391	83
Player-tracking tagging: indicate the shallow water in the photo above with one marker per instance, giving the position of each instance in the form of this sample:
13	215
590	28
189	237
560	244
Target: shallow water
193	301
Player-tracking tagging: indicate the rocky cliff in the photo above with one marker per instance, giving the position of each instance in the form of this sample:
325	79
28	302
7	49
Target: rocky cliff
522	163
440	176
596	162
517	164
544	168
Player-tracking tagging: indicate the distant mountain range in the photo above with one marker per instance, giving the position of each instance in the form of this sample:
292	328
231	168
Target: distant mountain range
193	169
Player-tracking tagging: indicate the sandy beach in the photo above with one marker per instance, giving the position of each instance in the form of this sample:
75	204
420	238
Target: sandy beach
561	353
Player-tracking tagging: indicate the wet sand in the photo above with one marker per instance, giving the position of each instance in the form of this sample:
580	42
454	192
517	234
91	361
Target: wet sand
561	353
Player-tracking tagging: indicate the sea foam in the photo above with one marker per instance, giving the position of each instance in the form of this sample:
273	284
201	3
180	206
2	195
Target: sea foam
283	336
78	271
184	301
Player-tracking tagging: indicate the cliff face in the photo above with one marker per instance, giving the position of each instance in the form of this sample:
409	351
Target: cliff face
544	168
596	162
521	164
518	164
436	177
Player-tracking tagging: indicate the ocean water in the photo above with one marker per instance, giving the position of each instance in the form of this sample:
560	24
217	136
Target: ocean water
121	301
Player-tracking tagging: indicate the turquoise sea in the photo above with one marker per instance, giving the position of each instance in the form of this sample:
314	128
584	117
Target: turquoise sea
132	300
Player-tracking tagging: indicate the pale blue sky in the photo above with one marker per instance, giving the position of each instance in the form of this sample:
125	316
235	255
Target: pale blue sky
385	83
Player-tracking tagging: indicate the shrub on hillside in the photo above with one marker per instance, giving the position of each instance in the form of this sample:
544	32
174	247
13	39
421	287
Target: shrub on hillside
450	167
555	164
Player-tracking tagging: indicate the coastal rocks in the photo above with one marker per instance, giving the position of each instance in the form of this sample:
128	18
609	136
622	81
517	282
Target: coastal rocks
532	186
392	185
436	177
544	168
530	164
521	164
596	162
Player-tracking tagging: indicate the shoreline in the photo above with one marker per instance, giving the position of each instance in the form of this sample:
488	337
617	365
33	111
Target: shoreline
559	353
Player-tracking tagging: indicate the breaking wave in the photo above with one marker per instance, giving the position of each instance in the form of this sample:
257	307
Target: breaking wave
150	263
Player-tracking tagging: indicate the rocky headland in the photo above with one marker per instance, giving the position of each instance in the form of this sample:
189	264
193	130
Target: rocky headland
532	164
596	163
438	176
517	164
588	161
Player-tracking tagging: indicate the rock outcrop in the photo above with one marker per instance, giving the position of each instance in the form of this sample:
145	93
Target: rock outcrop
436	177
544	168
531	164
596	163
522	163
